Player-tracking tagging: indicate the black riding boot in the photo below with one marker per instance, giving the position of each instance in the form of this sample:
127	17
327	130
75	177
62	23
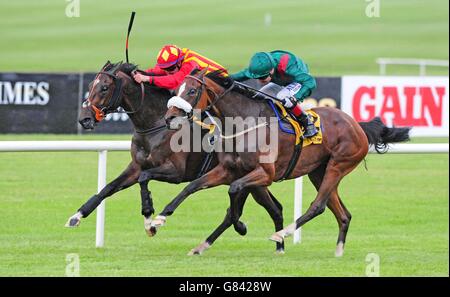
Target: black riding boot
307	123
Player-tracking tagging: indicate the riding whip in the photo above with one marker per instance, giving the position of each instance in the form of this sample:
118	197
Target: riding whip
130	25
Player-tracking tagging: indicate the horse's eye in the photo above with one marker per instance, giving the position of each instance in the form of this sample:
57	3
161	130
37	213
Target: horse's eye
192	92
104	88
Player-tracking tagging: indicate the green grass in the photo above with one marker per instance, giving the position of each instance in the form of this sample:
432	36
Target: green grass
399	206
335	37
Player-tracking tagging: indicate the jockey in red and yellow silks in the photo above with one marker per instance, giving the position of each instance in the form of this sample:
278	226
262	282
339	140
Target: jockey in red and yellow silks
173	64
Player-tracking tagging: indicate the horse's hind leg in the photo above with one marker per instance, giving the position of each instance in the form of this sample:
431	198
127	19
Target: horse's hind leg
334	173
335	204
238	226
263	197
343	217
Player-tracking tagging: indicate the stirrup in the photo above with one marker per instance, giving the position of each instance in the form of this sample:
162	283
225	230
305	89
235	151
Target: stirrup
310	131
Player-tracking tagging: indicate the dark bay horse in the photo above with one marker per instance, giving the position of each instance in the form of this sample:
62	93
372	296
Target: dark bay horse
345	144
150	148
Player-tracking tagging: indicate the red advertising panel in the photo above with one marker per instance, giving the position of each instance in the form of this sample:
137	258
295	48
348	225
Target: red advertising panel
420	102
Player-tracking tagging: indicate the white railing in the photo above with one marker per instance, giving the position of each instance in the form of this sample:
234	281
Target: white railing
422	63
103	146
58	146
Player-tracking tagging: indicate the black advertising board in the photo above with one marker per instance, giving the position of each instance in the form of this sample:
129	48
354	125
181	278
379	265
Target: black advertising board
38	103
50	103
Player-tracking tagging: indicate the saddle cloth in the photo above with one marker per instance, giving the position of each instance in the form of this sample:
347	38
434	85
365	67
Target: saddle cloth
286	119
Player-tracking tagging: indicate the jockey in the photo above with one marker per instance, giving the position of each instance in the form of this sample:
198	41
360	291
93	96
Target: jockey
283	69
173	64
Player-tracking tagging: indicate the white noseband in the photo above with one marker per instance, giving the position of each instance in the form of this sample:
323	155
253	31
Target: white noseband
180	103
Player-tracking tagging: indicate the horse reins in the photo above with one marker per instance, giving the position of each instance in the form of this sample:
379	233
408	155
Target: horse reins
213	102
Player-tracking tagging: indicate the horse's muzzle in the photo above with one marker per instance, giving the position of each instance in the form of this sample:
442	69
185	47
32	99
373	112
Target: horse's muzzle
87	123
175	122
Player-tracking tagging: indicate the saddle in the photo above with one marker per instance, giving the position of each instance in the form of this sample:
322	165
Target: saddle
288	123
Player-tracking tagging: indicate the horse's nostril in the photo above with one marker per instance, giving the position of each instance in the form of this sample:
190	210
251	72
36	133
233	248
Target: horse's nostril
169	119
87	123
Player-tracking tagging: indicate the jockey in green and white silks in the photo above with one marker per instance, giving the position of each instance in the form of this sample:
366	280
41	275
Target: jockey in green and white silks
282	68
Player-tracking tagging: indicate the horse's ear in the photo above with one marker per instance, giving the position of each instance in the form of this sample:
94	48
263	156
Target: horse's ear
106	65
203	72
115	67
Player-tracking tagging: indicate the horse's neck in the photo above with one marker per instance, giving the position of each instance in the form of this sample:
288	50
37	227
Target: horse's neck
148	111
235	104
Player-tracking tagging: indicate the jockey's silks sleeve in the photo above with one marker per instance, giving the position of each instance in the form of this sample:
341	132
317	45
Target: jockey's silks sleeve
239	76
155	71
173	81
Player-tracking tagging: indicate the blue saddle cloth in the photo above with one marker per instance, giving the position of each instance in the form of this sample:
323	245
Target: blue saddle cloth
284	125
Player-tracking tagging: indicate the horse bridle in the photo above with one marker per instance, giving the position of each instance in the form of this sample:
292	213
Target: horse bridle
212	103
114	102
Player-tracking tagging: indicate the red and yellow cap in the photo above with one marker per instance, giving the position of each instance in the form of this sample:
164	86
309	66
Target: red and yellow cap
168	56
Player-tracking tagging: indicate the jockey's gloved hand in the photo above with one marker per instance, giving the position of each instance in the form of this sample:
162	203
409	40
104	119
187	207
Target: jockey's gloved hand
289	102
289	91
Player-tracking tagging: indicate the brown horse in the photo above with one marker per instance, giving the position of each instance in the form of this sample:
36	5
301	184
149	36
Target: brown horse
345	144
146	105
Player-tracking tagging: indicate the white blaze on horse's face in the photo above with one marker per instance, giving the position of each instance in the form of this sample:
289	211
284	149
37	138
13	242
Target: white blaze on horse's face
179	102
181	90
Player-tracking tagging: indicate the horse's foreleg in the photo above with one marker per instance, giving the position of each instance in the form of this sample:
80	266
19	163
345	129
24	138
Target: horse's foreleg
217	176
147	209
128	178
165	172
259	177
266	199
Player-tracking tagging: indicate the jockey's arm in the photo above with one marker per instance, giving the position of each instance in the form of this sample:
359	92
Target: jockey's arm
174	80
308	85
239	76
155	71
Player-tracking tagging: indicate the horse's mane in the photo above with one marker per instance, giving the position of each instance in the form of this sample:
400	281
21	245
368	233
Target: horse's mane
225	81
220	78
127	68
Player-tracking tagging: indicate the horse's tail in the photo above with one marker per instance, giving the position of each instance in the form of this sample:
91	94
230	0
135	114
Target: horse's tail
380	136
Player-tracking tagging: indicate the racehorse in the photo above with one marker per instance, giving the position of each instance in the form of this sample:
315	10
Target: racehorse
146	105
345	144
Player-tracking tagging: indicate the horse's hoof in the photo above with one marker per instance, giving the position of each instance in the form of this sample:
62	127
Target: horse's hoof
199	249
277	238
74	221
339	250
240	228
152	231
158	221
194	252
148	227
279	252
